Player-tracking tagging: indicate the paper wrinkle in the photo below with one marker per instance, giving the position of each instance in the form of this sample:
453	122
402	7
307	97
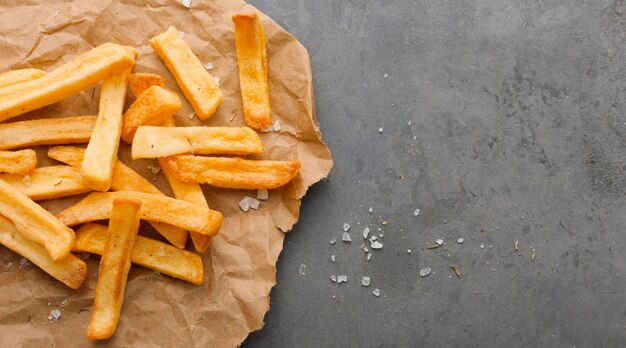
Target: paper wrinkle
240	266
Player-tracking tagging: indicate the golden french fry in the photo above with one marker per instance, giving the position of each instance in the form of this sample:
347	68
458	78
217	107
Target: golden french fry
151	142
124	179
101	152
97	206
71	271
13	77
139	82
48	183
198	86
234	173
146	252
35	223
114	267
252	65
49	131
18	162
72	77
152	107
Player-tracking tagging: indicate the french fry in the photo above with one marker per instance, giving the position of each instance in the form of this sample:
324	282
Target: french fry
97	206
71	271
146	252
139	82
101	152
48	182
72	77
198	86
152	107
35	223
151	142
252	65
114	267
13	77
124	179
234	173
50	131
18	162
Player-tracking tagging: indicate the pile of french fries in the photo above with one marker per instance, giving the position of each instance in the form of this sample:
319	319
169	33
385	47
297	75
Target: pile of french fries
189	156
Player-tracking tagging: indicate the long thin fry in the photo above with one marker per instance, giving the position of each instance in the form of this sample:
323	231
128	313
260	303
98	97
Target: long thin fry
114	267
198	86
101	152
72	271
146	252
139	82
151	142
72	77
35	223
152	107
252	64
18	162
48	183
235	173
124	179
13	77
97	206
49	131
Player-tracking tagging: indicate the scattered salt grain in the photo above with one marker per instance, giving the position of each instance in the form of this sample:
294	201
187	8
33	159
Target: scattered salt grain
277	126
155	170
9	265
373	238
365	249
26	180
380	130
262	194
386	75
376	292
24	262
332	258
217	80
365	281
439	241
187	3
424	272
244	204
55	314
181	34
370	210
416	212
191	115
161	251
208	66
376	245
409	251
56	13
342	279
346	237
64	302
333	241
346	226
254	203
482	246
301	270
333	278
366	232
369	256
460	240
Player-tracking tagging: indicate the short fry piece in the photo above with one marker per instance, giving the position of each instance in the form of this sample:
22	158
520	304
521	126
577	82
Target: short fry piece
124	179
101	152
252	64
114	267
235	173
152	108
139	82
97	206
35	223
13	77
71	271
72	77
18	162
48	182
49	131
151	142
146	252
198	86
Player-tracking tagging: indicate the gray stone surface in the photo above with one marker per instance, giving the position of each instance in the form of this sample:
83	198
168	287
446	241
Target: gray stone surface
518	129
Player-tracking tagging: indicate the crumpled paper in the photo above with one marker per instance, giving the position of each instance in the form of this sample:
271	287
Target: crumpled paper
240	266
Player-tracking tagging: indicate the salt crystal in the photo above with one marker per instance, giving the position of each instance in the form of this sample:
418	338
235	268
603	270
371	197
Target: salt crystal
342	279
161	251
26	180
244	204
373	238
64	302
380	130
155	170
424	271
56	13
262	194
277	126
217	79
334	297
376	292
439	241
301	270
191	115
369	256
333	241
370	210
409	123
346	226
181	34
381	235
332	258
376	245
386	75
416	212
366	232
254	203
268	129
482	246
187	3
208	66
333	278
24	262
366	249
346	237
408	251
460	240
49	317
54	314
10	264
365	281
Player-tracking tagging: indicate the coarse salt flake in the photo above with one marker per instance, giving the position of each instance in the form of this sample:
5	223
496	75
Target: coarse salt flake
424	272
262	194
333	241
191	115
482	246
244	204
332	258
268	129
376	292
217	79
366	232
460	240
161	251
55	314
181	34
370	210
346	237
416	212
380	130
208	66
187	3
439	241
253	202
376	245
333	278
155	170
409	251
342	279
365	281
369	256
277	126
346	227
24	262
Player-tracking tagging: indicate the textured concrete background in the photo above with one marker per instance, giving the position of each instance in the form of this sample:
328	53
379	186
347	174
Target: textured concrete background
517	128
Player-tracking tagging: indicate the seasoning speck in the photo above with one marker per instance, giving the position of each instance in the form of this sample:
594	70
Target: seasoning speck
369	256
456	271
24	262
342	279
301	270
376	292
365	281
346	237
533	255
370	210
333	278
55	314
416	212
181	34
332	258
433	246
187	3
155	170
380	130
482	246
424	272
366	232
277	126
346	226
439	241
385	223
253	202
460	240
333	241
208	66
516	245
217	80
191	115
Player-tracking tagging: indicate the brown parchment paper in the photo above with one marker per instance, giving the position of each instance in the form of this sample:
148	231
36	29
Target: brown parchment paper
240	265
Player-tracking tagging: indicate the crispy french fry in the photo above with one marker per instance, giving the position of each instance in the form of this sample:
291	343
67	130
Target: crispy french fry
35	223
18	162
114	267
50	131
97	206
151	142
198	86
72	77
71	271
152	107
101	152
235	173
146	252
124	179
139	82
13	77
252	65
48	183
